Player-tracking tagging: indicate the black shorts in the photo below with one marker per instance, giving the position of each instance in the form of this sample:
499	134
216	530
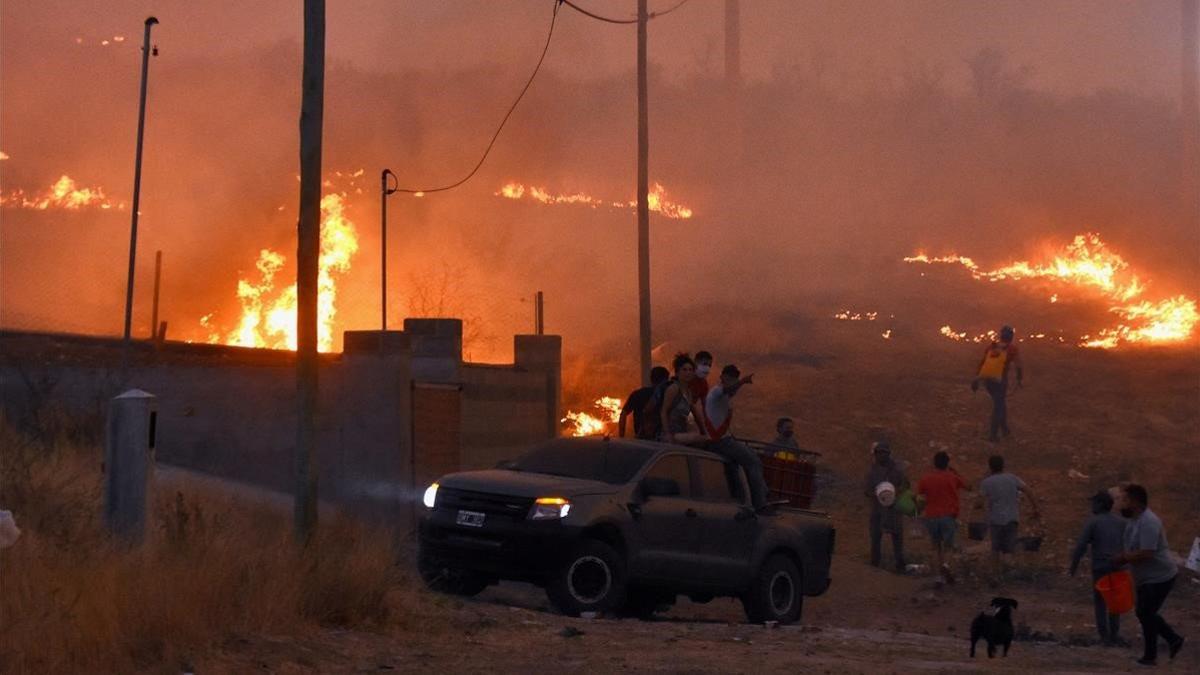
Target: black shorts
1004	537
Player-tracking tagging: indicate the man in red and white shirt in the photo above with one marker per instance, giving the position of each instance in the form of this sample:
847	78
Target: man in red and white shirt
718	419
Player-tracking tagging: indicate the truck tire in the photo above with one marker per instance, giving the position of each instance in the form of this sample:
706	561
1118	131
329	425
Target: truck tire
444	579
776	593
590	579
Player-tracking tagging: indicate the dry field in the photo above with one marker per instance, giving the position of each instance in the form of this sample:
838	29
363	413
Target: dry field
220	588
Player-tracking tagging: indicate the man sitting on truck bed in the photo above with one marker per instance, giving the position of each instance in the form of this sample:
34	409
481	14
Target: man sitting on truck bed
718	418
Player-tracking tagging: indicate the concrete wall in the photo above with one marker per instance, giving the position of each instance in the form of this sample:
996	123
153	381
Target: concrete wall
229	412
394	413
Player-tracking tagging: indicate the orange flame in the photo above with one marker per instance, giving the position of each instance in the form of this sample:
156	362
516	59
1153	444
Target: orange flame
656	199
1087	263
63	194
268	317
585	424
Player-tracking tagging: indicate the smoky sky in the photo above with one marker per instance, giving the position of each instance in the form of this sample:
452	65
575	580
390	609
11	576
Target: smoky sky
862	131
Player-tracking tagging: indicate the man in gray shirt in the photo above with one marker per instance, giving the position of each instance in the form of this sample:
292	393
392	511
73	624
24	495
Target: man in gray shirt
1002	492
1105	534
1153	571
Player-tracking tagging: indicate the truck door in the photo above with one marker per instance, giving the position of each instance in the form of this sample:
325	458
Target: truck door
666	527
729	527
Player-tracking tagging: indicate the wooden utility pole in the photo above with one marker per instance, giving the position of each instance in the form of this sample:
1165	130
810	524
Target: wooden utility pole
137	177
1190	104
312	103
733	47
643	205
154	307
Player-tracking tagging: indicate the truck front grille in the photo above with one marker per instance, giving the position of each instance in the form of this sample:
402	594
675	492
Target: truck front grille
495	506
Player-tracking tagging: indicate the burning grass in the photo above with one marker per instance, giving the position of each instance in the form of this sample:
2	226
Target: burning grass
210	570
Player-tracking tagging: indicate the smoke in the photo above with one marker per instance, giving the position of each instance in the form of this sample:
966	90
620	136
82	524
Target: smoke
937	126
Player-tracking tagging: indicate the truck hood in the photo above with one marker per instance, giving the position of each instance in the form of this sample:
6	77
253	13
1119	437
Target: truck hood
522	484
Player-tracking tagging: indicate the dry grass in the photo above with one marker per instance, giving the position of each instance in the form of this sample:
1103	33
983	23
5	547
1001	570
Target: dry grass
71	599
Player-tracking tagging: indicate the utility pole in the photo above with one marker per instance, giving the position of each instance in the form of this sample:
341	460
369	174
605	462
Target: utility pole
1190	103
137	178
733	47
643	205
154	310
312	103
384	190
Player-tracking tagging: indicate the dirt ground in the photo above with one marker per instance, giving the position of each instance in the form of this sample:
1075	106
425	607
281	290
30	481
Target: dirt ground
1085	420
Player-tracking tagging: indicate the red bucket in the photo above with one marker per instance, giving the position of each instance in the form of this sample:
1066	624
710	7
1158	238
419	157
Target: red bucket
1117	591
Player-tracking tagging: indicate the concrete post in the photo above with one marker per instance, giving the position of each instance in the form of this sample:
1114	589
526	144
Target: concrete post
128	461
544	353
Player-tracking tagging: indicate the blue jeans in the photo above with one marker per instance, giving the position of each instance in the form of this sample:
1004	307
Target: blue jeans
998	390
743	456
1150	599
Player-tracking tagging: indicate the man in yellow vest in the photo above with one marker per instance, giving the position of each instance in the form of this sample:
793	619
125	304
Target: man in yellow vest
1000	355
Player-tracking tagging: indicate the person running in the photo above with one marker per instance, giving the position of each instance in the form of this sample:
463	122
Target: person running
885	517
1001	355
1154	571
938	489
678	403
639	404
718	422
1104	532
785	437
1002	492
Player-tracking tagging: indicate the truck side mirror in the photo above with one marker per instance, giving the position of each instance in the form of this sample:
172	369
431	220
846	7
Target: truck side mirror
660	487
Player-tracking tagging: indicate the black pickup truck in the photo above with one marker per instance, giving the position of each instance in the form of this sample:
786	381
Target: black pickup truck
625	526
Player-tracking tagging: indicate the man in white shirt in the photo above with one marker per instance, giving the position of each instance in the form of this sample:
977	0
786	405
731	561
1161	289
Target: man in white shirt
718	420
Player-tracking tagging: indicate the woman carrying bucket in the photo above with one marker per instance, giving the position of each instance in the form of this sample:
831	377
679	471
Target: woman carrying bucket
1104	533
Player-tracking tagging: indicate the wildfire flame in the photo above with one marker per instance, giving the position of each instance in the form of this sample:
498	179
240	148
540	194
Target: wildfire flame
656	198
268	317
584	424
1087	263
63	194
847	315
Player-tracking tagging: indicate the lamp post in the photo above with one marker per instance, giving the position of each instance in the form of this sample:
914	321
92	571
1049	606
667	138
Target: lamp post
385	189
137	175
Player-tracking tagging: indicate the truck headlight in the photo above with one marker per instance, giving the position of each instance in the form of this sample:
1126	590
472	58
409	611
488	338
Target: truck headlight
430	496
550	508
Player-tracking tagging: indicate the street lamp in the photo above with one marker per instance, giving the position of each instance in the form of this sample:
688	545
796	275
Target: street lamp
386	188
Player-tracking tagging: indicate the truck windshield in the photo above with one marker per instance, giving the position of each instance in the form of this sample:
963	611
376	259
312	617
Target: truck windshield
590	459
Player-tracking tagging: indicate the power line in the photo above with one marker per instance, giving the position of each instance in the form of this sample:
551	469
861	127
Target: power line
654	15
488	149
651	15
583	11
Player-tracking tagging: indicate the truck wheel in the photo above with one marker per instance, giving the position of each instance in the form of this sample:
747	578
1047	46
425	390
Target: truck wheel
445	579
775	594
590	579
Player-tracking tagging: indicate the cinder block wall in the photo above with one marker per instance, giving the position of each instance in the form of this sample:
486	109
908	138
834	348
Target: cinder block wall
231	412
393	413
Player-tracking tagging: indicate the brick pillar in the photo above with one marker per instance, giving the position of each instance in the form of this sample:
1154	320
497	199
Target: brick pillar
543	353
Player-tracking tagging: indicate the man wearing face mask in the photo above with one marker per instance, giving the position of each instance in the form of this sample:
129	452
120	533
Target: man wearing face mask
1154	571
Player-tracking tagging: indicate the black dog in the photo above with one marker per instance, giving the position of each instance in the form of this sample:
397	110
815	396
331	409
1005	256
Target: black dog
994	625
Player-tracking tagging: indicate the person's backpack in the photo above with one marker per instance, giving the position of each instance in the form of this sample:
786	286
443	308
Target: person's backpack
994	362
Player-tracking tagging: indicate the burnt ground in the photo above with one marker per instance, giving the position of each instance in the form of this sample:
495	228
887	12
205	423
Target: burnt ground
1107	417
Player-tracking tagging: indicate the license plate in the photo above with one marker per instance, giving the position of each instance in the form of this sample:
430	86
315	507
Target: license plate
470	518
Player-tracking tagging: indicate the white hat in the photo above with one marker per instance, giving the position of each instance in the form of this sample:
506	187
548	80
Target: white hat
885	492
